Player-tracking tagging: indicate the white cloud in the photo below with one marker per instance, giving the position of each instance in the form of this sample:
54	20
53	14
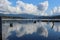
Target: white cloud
30	8
56	11
27	8
22	7
43	6
4	5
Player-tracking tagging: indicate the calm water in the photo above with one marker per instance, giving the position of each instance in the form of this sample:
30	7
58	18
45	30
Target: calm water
31	31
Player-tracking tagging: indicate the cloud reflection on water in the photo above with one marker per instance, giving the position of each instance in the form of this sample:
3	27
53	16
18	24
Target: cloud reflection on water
41	29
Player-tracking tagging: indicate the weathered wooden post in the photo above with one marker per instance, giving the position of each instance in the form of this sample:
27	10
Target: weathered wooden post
0	28
34	21
11	24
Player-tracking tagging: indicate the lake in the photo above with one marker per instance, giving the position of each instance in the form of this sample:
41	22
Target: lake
31	31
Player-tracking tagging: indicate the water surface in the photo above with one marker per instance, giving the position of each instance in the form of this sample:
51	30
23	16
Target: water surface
31	31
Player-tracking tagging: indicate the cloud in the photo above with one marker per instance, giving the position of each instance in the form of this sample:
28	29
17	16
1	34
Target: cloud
43	6
22	7
4	6
27	8
30	8
56	11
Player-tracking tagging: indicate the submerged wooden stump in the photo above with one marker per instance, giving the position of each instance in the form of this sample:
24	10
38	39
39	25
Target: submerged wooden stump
34	21
11	24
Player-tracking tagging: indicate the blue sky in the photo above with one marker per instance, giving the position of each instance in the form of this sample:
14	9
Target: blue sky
52	3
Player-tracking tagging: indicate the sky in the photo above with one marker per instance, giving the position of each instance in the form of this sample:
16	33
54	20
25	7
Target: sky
36	7
52	3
